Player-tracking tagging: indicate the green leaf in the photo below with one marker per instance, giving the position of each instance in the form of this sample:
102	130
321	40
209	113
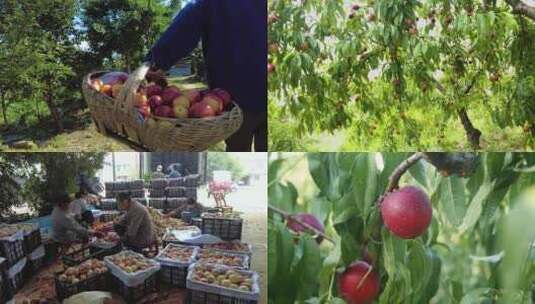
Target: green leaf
306	270
477	295
418	172
476	206
419	265
451	197
364	182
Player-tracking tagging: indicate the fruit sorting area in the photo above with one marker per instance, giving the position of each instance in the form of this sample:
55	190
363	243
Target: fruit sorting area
223	271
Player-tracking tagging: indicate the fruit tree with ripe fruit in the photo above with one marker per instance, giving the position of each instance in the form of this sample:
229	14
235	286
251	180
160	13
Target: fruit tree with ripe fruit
401	228
376	73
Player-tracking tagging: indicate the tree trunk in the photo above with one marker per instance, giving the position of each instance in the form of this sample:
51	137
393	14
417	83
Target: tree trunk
4	108
472	133
52	107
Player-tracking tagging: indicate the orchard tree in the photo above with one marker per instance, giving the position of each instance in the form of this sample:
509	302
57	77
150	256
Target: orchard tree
125	28
401	228
386	68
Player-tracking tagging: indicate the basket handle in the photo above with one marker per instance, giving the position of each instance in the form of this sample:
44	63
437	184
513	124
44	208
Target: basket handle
125	100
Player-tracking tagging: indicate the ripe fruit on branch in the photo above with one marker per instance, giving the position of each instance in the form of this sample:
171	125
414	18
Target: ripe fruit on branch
307	218
407	212
359	283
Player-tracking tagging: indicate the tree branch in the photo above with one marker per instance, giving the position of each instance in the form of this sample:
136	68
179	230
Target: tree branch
522	8
286	216
393	179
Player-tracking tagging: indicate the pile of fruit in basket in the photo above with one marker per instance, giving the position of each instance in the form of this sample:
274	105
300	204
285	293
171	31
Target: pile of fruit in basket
85	270
171	102
223	276
130	263
7	230
182	254
215	257
110	84
168	101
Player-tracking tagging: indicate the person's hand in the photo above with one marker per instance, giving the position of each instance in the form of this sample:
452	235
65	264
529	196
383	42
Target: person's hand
158	77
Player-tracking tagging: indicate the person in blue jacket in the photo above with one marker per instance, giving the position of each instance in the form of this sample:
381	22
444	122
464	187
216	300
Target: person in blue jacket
234	41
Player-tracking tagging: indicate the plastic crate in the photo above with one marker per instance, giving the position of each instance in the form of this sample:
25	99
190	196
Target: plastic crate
176	202
157	193
175	276
17	281
100	253
226	229
201	297
191	193
136	184
192	180
5	294
158	183
108	204
137	193
78	256
176	191
12	251
37	258
134	294
209	293
176	182
32	241
99	282
109	186
158	203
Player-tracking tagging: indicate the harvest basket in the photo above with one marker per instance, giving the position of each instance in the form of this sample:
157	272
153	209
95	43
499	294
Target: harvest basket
17	275
96	282
155	133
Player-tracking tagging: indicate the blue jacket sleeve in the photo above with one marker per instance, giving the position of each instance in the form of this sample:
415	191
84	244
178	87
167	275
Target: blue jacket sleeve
180	38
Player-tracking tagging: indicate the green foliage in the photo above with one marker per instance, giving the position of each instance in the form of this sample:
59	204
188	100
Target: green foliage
125	28
45	175
224	161
457	260
383	72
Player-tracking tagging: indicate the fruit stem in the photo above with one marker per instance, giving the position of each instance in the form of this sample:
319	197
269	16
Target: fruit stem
286	216
393	180
365	276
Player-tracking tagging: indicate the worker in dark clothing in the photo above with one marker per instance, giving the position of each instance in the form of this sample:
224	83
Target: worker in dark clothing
234	35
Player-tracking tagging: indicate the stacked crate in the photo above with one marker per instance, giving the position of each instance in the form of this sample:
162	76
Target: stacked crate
12	250
226	226
157	193
136	188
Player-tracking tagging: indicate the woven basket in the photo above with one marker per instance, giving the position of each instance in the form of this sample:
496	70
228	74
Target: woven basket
156	133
